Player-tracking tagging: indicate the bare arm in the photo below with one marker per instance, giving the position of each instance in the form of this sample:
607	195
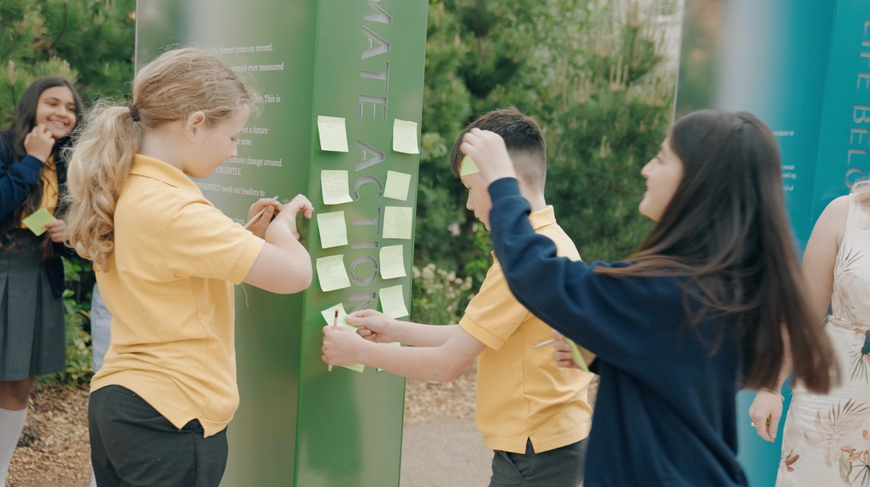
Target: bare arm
378	327
283	266
342	346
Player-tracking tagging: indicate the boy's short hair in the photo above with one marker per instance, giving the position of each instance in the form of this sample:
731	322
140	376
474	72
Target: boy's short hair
524	140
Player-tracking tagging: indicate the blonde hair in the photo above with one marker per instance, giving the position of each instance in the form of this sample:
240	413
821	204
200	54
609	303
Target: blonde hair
171	88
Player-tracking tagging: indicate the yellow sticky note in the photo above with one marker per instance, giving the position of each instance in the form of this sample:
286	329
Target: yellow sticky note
394	344
335	188
397	185
397	222
392	262
468	167
405	137
333	229
37	219
333	134
331	273
329	316
393	301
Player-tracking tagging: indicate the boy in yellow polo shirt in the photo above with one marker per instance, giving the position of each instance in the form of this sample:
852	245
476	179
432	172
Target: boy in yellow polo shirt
534	414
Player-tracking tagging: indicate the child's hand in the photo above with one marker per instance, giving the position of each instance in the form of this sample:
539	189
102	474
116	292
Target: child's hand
258	225
562	355
341	346
489	153
56	229
38	143
291	209
765	411
373	326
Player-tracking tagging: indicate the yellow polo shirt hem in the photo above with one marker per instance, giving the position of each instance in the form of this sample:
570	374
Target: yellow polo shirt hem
539	445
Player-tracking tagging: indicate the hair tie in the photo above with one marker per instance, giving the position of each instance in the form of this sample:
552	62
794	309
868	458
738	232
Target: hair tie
134	112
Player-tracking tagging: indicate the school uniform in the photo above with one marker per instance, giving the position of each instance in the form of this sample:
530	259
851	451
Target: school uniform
533	414
665	412
161	402
32	338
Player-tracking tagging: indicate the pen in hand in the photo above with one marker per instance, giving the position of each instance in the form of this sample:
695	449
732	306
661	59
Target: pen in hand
259	214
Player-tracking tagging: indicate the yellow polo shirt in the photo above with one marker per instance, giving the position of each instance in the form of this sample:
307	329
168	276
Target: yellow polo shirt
169	287
521	394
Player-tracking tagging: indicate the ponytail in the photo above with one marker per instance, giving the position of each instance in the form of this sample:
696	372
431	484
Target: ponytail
98	168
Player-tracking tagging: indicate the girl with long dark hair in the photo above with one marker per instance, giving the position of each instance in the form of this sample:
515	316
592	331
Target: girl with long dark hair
706	306
32	177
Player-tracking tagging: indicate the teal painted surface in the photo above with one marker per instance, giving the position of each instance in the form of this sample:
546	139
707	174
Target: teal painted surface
298	425
795	64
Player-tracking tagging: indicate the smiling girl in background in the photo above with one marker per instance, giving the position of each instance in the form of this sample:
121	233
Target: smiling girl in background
32	176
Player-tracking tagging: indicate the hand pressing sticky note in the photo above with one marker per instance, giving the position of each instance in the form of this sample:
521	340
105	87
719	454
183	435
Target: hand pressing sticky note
405	137
393	301
397	222
329	316
37	219
333	229
331	273
392	262
335	188
333	134
397	185
468	167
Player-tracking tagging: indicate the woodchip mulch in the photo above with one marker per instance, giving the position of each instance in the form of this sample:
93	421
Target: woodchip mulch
54	451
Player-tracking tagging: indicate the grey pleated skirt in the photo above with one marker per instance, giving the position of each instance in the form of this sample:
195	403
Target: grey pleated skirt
32	338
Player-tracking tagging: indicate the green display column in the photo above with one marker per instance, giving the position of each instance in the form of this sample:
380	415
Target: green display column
341	91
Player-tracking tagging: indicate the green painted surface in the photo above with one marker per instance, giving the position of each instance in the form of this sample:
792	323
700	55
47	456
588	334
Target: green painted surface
297	423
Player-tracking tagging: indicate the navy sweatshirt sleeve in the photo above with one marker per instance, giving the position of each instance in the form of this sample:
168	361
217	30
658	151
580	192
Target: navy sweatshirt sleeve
609	316
16	180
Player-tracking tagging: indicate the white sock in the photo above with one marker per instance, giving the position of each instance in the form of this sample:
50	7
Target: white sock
93	479
11	425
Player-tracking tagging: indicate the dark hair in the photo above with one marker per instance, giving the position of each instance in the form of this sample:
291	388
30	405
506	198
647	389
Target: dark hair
725	232
25	120
523	139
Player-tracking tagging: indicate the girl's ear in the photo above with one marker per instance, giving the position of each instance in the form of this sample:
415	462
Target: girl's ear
195	124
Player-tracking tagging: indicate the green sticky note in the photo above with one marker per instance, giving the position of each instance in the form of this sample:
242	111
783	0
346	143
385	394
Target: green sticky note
405	137
37	219
393	301
397	185
397	222
392	262
394	344
329	316
333	229
331	273
333	134
335	187
468	167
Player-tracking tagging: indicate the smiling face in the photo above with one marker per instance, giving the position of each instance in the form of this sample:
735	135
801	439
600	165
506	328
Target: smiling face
216	144
663	175
478	197
56	110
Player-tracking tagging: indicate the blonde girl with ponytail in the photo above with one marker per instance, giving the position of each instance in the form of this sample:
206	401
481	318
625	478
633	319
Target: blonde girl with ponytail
166	262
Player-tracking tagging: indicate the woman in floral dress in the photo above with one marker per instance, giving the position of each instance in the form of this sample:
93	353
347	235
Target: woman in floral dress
826	438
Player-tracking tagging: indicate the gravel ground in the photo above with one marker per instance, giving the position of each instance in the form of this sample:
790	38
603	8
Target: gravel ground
54	451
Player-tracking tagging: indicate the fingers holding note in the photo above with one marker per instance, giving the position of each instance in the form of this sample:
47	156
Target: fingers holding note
489	153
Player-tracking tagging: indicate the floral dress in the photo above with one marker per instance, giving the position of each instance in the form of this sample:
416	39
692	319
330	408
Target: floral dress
826	439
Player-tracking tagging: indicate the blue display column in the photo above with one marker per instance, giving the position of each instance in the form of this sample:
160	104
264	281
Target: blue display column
802	66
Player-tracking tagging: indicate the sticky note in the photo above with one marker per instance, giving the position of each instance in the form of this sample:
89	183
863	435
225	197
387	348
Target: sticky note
329	316
405	137
333	134
331	273
334	187
397	222
393	301
392	262
468	167
333	229
37	219
397	185
394	344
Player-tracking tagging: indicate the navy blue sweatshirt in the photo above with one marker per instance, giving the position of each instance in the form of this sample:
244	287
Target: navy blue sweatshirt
665	413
